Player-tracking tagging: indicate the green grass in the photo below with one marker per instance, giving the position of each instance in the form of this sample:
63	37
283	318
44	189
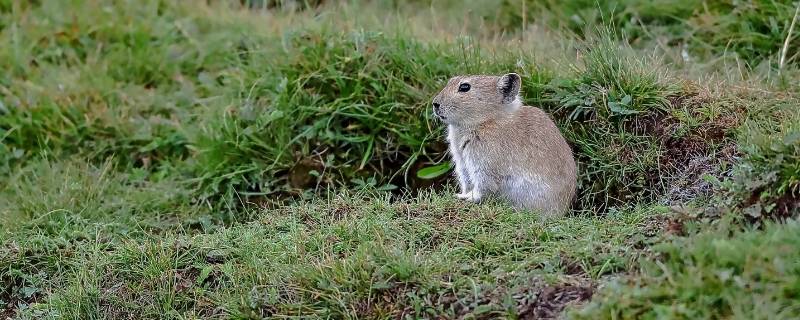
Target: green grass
753	31
767	184
166	160
351	255
744	275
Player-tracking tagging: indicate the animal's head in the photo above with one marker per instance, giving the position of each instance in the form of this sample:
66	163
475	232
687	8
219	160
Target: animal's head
471	100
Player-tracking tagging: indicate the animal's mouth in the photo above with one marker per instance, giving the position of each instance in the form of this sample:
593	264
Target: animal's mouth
438	114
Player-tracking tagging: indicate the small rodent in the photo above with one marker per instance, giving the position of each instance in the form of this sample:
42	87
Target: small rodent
502	148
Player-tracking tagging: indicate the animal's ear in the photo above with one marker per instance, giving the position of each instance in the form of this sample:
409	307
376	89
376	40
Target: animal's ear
508	86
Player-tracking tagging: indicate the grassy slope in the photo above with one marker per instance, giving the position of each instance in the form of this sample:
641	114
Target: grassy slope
716	274
137	137
353	255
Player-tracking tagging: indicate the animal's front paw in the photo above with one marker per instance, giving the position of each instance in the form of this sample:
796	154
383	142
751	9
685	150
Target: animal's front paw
475	196
472	196
464	195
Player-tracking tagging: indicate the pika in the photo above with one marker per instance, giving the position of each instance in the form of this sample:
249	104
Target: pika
504	149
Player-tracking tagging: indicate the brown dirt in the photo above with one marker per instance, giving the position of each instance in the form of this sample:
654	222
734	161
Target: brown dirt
115	293
786	206
9	310
185	279
552	300
279	5
114	290
571	266
656	227
300	175
658	124
690	155
535	299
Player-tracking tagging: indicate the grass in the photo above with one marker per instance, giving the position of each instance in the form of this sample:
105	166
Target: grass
353	255
744	275
753	32
766	184
162	160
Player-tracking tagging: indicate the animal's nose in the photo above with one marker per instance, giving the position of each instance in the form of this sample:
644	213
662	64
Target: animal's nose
435	107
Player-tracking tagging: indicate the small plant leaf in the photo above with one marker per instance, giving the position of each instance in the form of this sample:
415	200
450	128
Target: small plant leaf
204	273
753	211
275	115
367	154
433	171
626	100
620	109
28	292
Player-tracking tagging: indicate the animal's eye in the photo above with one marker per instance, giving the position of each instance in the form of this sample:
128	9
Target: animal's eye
464	87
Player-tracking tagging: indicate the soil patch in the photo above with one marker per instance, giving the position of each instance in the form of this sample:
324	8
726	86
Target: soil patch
688	152
535	299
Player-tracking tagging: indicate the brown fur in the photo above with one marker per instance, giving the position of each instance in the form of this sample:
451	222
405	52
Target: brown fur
504	149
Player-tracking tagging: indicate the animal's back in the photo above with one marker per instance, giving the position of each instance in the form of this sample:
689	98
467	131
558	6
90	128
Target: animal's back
547	180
